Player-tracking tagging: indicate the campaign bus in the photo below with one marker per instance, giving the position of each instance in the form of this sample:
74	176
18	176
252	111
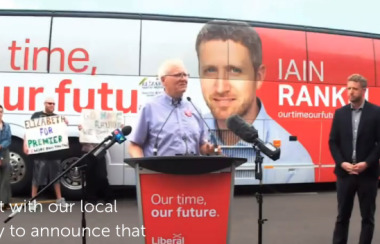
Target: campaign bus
287	80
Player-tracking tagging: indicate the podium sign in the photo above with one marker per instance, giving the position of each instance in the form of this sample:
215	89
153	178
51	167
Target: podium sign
185	199
185	209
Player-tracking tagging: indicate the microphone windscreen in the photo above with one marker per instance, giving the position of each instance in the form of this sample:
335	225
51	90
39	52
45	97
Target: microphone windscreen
126	130
242	129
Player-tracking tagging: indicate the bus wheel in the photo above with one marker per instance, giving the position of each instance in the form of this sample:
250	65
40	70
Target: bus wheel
71	182
21	169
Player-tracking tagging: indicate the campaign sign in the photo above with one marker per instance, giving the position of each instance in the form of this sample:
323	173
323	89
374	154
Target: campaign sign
46	134
97	124
185	209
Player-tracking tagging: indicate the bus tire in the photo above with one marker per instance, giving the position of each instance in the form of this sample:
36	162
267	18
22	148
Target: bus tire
21	168
71	182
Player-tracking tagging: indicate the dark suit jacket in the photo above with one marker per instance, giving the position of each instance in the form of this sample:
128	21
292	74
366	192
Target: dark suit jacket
367	144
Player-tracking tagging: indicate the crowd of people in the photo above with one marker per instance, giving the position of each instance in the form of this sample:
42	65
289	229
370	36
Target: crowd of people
47	166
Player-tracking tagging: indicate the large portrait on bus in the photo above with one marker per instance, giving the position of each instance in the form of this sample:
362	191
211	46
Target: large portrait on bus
231	72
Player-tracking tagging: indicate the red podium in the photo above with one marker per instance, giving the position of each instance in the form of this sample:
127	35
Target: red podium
185	199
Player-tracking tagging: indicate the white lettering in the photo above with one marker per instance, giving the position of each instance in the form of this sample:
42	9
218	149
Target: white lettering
304	96
134	232
2	231
163	213
65	232
190	200
285	92
176	239
293	70
156	199
331	96
53	208
20	232
89	207
312	68
337	95
197	213
306	115
318	95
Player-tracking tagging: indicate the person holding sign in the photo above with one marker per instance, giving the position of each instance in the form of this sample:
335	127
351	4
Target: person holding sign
168	124
96	173
5	167
46	164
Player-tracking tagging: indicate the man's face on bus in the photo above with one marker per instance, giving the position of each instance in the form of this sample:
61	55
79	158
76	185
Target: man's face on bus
227	78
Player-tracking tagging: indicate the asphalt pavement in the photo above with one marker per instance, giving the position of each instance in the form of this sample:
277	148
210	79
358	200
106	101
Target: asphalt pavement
292	218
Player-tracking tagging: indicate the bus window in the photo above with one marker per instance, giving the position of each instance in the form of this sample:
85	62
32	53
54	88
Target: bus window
24	44
168	40
95	46
333	58
284	54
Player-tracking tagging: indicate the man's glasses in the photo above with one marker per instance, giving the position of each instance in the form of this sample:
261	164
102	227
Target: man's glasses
180	75
50	103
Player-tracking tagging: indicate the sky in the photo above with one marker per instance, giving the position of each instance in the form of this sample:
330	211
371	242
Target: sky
337	14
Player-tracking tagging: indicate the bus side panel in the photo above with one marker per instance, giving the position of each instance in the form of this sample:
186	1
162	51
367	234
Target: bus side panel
332	59
327	162
376	54
341	56
300	148
24	42
284	54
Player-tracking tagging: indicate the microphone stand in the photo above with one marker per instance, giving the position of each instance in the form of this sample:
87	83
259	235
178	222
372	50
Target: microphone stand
84	199
82	168
259	195
184	138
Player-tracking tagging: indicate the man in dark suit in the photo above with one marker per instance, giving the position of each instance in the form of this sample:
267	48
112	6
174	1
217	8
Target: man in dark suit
355	146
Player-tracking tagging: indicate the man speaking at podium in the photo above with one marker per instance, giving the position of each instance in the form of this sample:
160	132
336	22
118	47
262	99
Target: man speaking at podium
168	124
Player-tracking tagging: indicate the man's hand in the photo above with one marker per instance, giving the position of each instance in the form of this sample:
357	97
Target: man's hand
66	121
209	149
121	126
79	127
360	167
349	168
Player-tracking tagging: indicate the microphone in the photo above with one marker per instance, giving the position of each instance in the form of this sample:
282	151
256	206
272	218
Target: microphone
118	136
175	103
248	133
184	138
213	139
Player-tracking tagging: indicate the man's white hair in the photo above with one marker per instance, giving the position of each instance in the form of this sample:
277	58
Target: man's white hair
49	100
165	66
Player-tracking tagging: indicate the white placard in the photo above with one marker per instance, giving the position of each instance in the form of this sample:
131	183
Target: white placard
97	124
149	87
46	134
